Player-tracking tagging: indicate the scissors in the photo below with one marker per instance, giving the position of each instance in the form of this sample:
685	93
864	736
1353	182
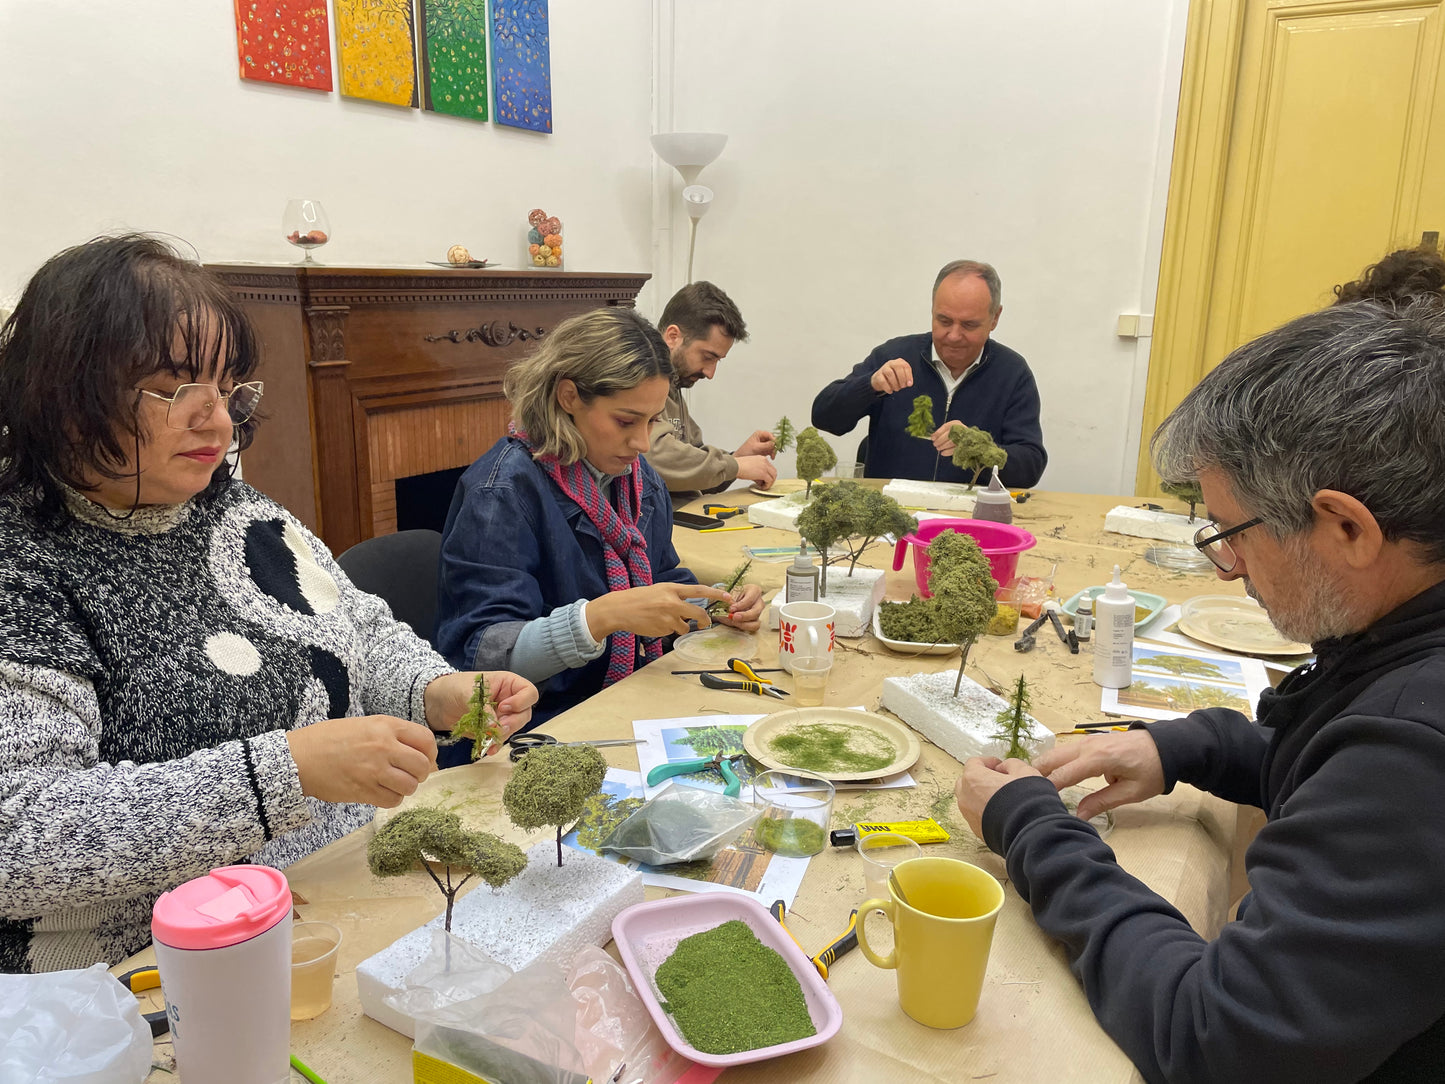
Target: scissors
522	744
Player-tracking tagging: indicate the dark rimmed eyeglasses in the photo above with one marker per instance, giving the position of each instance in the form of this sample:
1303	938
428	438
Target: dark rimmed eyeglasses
191	405
1214	543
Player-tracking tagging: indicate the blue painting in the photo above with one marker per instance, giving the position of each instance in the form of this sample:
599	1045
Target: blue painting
521	65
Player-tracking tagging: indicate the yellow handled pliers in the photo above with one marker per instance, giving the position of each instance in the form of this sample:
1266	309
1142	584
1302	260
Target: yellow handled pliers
756	685
722	511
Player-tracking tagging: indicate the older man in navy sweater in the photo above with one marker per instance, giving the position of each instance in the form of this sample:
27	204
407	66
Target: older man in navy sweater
970	378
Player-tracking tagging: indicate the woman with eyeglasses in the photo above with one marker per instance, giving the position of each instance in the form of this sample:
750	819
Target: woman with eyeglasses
187	679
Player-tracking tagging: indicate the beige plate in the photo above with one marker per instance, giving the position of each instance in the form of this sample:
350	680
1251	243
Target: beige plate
760	735
1243	627
713	646
781	488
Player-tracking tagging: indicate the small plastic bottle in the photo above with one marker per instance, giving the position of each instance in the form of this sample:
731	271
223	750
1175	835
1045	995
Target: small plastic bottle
1084	619
994	503
800	583
1114	635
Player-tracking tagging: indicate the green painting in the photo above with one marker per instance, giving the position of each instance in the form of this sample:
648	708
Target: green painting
454	55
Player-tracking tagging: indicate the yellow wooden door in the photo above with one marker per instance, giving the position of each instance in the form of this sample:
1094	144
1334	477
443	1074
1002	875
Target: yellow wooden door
1311	142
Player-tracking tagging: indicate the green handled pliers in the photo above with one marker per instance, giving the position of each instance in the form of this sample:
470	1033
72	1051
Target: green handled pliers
720	760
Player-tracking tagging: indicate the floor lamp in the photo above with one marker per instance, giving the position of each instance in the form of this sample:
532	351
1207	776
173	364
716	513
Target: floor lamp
688	153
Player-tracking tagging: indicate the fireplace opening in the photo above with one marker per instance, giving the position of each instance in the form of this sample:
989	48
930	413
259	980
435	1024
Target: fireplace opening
422	500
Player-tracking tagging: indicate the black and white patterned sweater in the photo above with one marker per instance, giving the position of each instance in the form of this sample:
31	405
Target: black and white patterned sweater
149	669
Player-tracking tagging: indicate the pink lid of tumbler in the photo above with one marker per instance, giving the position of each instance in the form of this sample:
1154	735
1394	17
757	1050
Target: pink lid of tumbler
225	907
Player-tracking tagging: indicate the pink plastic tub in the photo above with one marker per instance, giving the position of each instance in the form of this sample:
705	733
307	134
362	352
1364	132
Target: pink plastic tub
1001	544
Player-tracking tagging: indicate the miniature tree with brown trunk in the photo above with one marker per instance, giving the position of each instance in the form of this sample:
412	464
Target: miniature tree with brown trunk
550	786
853	516
1188	492
974	450
815	455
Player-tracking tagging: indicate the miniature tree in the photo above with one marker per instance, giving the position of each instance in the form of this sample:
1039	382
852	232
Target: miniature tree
720	608
920	424
974	449
1013	721
479	721
783	435
1188	492
420	837
815	456
550	787
960	582
854	516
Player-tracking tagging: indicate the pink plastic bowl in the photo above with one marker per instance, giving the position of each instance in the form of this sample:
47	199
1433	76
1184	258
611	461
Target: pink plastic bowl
1001	544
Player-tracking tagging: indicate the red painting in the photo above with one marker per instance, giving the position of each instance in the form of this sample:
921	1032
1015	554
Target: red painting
284	41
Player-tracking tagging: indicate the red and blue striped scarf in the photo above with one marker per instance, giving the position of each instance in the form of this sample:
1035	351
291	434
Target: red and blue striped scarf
624	550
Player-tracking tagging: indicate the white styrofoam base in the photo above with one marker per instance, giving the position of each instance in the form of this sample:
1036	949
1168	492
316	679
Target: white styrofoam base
853	597
546	912
944	496
1145	523
962	727
779	512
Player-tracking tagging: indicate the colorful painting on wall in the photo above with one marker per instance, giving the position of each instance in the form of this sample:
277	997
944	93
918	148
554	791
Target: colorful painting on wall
521	64
454	57
376	51
284	41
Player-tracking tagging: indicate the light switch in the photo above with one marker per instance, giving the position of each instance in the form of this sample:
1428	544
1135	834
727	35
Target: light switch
1128	326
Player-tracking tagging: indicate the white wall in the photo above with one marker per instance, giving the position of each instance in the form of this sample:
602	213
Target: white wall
131	115
870	144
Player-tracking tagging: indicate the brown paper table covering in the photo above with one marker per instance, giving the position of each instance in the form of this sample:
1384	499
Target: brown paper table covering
1033	1021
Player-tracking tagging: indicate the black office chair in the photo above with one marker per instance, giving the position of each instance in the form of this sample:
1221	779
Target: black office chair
862	455
402	569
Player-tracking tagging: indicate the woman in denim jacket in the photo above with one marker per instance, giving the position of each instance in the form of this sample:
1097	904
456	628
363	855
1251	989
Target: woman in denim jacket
557	558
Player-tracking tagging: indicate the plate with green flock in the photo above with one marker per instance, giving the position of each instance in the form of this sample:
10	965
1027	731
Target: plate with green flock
836	743
906	647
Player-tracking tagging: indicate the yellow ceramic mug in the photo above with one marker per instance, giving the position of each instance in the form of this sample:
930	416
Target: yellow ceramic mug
941	937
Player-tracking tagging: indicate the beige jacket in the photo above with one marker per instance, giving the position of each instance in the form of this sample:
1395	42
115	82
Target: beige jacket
687	465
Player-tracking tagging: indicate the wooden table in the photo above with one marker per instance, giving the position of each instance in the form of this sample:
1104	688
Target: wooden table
1033	1022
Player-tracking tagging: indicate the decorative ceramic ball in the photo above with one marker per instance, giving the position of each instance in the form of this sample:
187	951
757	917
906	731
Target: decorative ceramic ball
532	250
536	216
539	260
554	261
458	254
544	250
534	236
553	239
552	225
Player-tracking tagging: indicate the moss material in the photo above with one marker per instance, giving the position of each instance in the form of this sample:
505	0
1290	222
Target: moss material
791	837
823	748
728	992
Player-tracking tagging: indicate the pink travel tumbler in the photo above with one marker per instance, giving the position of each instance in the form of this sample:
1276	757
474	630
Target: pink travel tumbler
223	946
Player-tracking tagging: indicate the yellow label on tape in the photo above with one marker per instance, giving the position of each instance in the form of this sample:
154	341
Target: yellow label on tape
426	1069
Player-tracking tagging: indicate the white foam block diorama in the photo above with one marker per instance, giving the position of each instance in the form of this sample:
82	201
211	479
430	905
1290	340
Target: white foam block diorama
780	512
1147	523
853	597
940	496
962	726
546	912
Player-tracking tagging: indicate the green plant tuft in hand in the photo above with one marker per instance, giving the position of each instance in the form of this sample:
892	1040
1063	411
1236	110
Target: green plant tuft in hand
783	435
920	422
479	721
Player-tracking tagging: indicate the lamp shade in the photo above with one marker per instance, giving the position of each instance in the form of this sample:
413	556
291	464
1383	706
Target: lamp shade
696	199
688	152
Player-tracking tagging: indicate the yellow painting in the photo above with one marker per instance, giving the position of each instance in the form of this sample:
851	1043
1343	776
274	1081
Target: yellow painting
376	50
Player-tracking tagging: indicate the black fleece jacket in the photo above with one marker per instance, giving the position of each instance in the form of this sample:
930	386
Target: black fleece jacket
1335	971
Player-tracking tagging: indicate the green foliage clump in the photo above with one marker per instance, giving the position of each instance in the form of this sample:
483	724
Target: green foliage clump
479	721
815	455
974	449
914	621
853	516
920	422
783	435
1188	492
418	837
1013	721
550	787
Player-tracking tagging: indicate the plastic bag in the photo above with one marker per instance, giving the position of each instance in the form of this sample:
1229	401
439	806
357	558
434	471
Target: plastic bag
613	1026
71	1027
454	970
523	1032
681	824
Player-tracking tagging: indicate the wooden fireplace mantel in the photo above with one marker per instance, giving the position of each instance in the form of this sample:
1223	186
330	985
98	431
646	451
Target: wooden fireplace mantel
375	374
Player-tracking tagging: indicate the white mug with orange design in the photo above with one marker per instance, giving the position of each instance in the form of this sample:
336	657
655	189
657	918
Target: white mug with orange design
805	631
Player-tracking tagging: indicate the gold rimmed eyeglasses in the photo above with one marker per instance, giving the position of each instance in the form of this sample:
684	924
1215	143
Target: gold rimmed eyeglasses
191	405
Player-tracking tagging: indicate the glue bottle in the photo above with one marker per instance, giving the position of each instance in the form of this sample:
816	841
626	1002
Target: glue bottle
1114	635
994	503
800	582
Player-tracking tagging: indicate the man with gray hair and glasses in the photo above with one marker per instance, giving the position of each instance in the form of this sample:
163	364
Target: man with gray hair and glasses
1320	448
970	378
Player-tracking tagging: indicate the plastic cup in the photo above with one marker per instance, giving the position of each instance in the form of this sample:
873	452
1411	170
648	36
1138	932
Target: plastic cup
810	680
881	851
797	807
314	948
